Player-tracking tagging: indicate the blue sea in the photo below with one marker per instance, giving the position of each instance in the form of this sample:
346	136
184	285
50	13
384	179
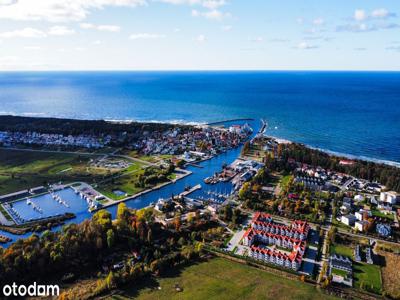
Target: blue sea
355	113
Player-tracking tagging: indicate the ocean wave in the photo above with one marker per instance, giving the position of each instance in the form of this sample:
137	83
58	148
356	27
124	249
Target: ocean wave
173	121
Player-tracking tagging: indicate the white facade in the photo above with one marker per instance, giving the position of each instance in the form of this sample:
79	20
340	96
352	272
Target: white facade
388	197
348	220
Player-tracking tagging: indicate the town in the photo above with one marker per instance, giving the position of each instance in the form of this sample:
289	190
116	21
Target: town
229	192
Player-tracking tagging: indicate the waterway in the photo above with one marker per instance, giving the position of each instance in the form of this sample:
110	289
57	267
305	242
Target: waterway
208	168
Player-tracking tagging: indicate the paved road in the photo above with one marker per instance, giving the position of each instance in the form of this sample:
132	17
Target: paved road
234	242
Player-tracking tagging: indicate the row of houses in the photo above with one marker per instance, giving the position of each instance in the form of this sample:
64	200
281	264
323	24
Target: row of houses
198	141
297	229
265	238
47	139
369	257
341	269
291	261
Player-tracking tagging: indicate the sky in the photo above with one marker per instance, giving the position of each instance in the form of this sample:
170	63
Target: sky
199	35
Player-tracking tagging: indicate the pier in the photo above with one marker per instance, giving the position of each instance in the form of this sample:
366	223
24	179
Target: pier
193	189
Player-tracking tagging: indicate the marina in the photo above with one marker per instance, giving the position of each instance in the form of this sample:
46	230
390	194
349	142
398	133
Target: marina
81	200
45	206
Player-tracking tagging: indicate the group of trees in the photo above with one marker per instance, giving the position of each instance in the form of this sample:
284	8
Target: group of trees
153	176
230	215
87	247
382	173
76	127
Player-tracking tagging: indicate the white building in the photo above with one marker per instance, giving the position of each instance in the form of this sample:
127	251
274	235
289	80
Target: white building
348	220
388	197
361	225
359	198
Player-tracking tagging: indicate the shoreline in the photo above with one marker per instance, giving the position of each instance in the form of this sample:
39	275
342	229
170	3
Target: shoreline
205	123
340	154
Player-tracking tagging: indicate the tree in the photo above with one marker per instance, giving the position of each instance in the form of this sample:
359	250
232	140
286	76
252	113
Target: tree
102	218
227	213
122	212
149	235
110	238
177	222
111	281
244	191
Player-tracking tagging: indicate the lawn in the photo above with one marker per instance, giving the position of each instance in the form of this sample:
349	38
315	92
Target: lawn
221	279
135	154
367	277
128	182
339	272
21	170
125	183
341	250
378	213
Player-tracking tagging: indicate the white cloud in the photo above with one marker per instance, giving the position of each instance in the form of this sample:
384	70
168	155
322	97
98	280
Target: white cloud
214	14
256	39
382	13
7	2
32	48
279	40
305	46
9	62
60	31
57	10
393	48
97	42
364	27
363	21
201	38
6	59
318	21
213	4
300	20
360	15
27	32
210	4
146	36
109	28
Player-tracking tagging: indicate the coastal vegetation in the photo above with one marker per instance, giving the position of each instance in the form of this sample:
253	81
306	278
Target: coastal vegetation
375	172
76	127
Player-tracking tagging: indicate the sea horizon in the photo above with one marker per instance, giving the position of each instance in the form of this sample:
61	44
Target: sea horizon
308	107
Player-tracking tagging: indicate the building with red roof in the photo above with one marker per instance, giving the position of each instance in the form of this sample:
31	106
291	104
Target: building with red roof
264	232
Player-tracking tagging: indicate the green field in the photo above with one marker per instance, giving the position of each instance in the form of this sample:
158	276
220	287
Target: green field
378	213
368	276
21	170
341	250
365	276
129	181
339	272
221	279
